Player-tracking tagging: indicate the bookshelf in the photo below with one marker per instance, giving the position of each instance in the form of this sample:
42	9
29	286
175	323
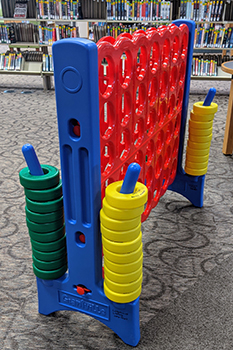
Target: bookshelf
98	16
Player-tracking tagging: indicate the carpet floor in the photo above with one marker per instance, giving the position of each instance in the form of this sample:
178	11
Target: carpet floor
186	300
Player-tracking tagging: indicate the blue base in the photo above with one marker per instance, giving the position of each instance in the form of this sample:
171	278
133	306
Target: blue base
191	187
59	294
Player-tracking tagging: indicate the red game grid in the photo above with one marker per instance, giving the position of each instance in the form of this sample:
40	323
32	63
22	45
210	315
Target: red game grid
141	84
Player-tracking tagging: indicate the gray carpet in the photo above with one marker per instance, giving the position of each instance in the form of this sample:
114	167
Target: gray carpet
186	302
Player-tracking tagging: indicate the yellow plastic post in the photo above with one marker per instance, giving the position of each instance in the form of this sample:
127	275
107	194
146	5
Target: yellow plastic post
200	136
120	220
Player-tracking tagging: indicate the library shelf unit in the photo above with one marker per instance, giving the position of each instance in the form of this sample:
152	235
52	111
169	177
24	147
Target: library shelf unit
36	67
31	68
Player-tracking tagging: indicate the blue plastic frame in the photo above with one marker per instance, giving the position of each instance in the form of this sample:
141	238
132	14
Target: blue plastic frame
191	187
77	99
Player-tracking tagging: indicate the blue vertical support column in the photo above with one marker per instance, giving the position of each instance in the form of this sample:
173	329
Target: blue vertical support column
81	288
191	187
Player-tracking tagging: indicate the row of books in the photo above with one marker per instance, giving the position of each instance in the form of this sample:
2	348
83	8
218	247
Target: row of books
145	10
14	60
204	67
48	35
18	32
94	9
9	6
11	61
57	9
202	10
47	63
213	36
100	29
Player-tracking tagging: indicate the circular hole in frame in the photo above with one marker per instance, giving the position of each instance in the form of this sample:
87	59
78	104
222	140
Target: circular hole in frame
171	106
157	190
106	76
166	53
164	85
141	64
139	158
153	91
158	167
125	108
175	51
177	124
169	132
184	46
175	148
149	152
154	57
179	99
107	158
125	69
107	120
165	179
148	204
182	74
173	78
138	132
167	158
160	142
149	177
123	171
105	185
162	113
140	99
173	170
150	122
124	146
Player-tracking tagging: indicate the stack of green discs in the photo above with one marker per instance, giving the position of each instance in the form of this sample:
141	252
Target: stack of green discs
45	222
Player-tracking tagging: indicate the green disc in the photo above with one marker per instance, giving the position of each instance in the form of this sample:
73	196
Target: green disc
49	275
48	237
50	246
43	182
49	265
44	228
44	195
44	207
43	218
49	256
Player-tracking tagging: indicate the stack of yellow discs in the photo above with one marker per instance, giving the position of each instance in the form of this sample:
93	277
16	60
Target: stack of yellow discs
200	136
122	242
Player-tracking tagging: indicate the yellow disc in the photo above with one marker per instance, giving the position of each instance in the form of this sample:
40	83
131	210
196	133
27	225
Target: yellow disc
200	125
197	152
197	159
124	268
120	236
121	298
123	287
200	139
200	132
195	172
195	166
122	258
198	108
126	201
118	225
199	145
116	213
201	118
123	277
124	247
